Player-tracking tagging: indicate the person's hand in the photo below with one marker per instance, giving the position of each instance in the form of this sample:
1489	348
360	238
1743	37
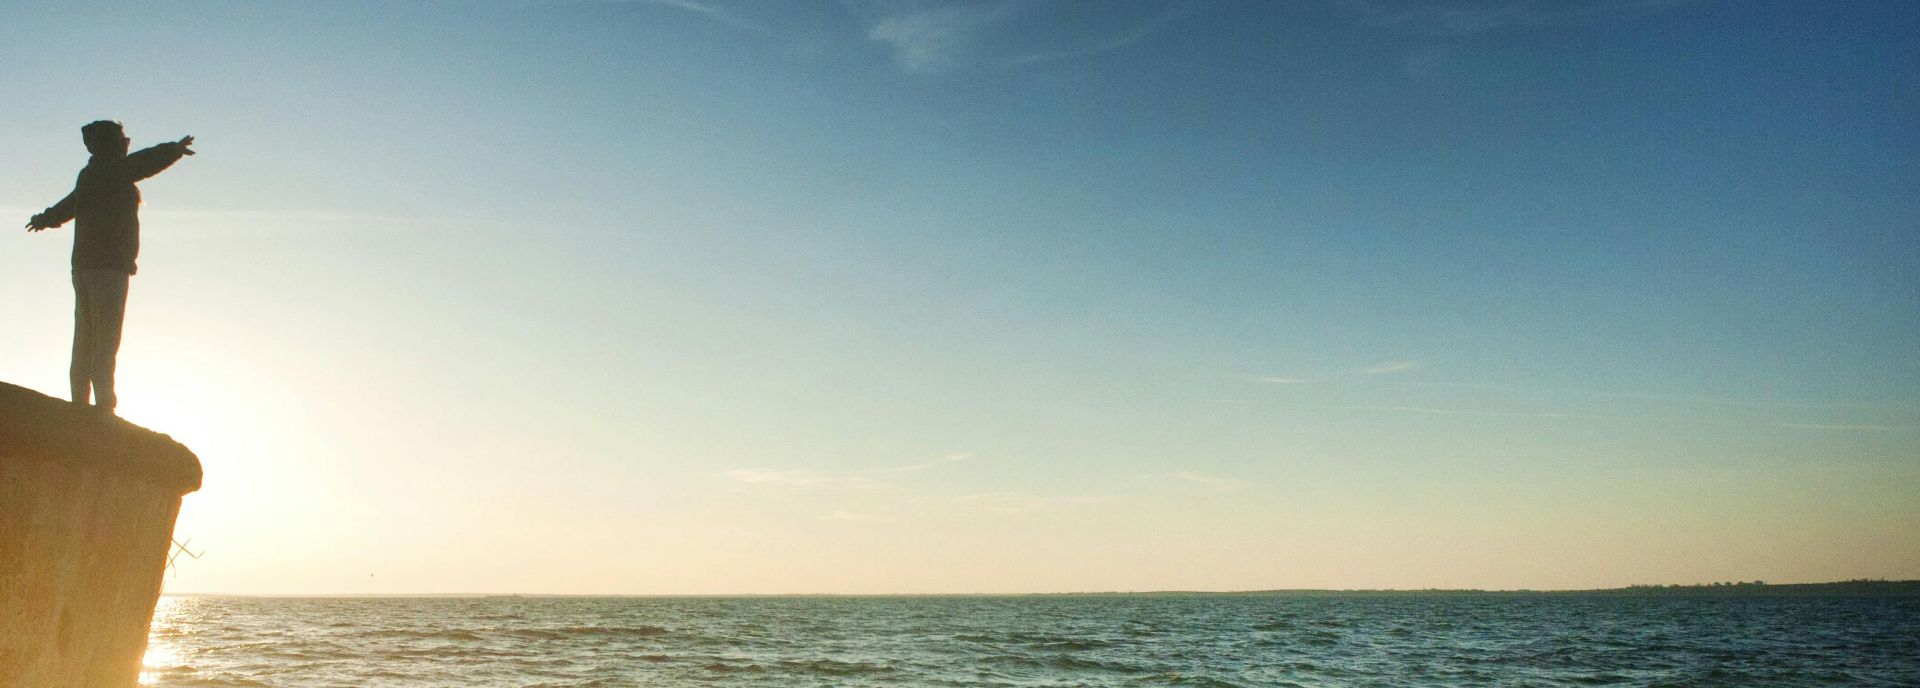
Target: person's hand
36	224
183	143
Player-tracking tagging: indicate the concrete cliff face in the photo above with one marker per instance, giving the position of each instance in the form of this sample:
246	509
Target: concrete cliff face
87	505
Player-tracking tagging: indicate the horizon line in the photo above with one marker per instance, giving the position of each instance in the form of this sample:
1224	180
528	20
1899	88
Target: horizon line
1632	586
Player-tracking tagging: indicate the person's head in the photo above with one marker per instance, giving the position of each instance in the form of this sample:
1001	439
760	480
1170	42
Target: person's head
105	137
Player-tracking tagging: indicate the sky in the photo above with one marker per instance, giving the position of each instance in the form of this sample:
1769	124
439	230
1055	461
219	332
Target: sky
702	296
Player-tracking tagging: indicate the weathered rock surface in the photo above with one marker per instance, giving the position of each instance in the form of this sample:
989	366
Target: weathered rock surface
87	505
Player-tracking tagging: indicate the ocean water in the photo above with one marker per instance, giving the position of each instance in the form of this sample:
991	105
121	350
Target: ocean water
1241	640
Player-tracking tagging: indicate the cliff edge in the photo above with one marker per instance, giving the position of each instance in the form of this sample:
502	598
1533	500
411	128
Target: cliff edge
87	506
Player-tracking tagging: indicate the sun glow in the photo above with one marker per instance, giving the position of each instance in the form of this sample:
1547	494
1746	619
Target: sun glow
161	654
190	404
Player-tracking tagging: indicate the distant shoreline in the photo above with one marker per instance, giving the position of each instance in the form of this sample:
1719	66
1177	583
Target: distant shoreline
1851	588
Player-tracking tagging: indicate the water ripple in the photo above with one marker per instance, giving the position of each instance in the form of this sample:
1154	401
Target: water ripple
1251	641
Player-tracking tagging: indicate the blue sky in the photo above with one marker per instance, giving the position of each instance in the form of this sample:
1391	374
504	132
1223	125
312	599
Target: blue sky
1004	296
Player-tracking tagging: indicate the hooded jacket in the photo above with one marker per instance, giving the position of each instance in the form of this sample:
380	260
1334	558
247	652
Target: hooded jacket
105	207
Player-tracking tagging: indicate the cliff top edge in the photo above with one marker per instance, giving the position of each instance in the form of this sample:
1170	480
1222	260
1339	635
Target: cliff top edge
34	426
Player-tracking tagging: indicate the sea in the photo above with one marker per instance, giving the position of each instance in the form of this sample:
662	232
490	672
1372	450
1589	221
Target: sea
1379	640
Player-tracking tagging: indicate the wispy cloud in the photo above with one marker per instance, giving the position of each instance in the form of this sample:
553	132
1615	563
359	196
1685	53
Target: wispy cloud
1014	502
1464	412
1614	405
331	221
1381	368
858	516
1135	35
1663	398
1849	428
1437	19
1448	23
1701	417
688	5
796	478
861	479
932	38
1698	421
952	457
1193	479
1387	367
873	489
1428	18
936	39
1426	61
706	9
1211	482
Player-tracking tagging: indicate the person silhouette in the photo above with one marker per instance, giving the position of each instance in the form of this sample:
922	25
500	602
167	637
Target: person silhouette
105	208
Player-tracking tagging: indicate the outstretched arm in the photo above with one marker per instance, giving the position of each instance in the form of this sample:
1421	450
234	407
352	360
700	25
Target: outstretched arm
147	162
55	216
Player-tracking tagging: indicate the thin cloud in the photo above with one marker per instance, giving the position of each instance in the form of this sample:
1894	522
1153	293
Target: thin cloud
1015	502
330	220
761	475
688	5
937	39
1454	22
1655	417
1381	368
858	516
1435	19
705	9
954	457
945	37
1848	428
1426	61
1455	19
1137	34
803	478
1660	398
795	478
868	485
1463	412
1211	482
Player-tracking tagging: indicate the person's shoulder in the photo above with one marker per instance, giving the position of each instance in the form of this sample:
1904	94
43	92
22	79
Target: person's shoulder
99	172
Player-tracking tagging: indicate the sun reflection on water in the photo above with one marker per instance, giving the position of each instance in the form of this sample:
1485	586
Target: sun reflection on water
162	651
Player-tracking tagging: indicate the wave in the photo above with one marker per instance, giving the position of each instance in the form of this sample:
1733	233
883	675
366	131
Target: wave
1013	642
586	632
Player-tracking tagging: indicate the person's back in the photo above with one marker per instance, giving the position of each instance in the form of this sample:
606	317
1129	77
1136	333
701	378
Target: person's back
105	204
105	208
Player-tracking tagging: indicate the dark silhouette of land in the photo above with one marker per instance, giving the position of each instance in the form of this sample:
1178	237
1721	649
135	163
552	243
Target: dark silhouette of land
1849	588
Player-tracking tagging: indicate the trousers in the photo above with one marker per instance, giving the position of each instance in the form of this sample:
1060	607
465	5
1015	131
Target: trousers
99	307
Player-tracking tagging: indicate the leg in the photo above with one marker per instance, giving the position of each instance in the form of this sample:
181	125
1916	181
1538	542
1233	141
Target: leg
109	312
80	369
